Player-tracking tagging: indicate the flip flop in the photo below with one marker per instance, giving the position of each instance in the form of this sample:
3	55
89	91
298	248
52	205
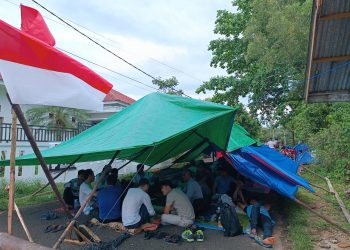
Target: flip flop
49	216
173	239
149	234
58	228
161	235
49	228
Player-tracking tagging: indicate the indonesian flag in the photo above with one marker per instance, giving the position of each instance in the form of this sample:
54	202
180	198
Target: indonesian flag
34	72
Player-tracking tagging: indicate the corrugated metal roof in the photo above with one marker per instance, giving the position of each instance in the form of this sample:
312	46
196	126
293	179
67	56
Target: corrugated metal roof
330	65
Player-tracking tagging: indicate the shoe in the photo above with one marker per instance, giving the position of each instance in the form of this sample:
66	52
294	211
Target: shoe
269	241
187	235
199	235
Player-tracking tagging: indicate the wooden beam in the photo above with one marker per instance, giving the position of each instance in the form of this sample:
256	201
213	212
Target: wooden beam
322	216
331	59
20	217
12	175
340	201
21	118
335	16
312	42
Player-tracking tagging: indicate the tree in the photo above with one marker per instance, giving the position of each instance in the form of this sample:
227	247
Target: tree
56	117
263	48
168	86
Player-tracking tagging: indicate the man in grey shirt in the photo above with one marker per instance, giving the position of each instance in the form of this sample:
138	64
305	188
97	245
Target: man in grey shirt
178	208
194	192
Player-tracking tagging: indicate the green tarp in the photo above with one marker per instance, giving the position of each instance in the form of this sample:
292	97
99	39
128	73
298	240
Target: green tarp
153	129
240	138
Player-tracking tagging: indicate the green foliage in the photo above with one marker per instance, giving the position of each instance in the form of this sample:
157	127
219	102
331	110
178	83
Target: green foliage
326	128
168	86
263	48
56	117
298	224
23	191
248	122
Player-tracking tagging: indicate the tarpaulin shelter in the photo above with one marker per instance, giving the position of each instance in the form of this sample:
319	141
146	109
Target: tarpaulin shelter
153	129
303	154
269	168
239	137
257	162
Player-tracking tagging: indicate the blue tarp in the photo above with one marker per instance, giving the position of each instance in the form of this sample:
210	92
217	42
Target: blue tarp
303	154
269	168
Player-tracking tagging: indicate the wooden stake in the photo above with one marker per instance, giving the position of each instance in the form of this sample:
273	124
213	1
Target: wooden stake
340	201
17	109
20	217
12	174
88	199
321	216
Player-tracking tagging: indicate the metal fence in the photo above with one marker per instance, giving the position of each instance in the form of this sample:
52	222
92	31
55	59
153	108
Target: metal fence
42	133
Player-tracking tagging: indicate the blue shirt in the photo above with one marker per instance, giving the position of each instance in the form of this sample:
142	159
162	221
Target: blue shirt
107	199
224	184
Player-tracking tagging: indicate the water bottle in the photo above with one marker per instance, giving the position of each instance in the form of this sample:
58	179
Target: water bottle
76	203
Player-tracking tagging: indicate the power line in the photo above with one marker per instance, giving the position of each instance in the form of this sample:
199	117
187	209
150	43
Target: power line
113	42
103	47
111	70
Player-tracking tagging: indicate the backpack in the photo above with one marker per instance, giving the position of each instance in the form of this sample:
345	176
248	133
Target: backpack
229	220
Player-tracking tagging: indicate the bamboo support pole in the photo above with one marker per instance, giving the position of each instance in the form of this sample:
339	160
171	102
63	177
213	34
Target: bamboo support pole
17	109
76	216
321	216
58	175
340	201
12	174
20	217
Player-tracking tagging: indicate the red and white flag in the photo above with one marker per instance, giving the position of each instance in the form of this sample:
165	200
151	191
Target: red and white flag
34	72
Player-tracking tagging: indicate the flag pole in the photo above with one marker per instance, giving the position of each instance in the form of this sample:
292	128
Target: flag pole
12	175
17	109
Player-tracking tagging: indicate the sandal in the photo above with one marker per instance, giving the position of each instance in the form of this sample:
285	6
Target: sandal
161	235
58	228
49	228
49	216
174	239
149	234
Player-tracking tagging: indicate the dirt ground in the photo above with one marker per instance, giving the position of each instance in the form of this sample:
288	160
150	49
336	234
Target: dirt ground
213	239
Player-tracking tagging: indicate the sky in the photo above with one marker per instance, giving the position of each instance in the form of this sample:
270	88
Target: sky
165	38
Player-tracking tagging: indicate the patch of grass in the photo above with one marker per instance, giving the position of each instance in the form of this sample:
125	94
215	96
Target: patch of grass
23	191
297	220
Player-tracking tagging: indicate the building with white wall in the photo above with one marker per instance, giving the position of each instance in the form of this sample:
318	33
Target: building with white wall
113	103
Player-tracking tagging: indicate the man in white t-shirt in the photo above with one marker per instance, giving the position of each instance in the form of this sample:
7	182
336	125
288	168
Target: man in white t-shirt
137	207
178	208
85	190
271	143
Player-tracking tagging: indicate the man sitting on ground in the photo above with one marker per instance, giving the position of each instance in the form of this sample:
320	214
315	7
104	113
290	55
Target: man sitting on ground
259	216
178	208
109	201
137	208
141	174
85	190
71	189
194	192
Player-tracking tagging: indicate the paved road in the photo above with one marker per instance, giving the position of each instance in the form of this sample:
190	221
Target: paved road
213	239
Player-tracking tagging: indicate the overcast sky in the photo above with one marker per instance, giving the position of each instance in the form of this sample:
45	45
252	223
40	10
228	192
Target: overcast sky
173	32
